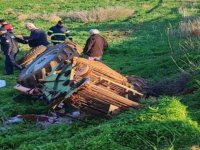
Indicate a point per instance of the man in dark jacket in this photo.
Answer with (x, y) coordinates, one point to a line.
(9, 47)
(59, 33)
(95, 45)
(37, 36)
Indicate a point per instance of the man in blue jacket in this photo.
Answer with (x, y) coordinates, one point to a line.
(59, 33)
(37, 37)
(9, 47)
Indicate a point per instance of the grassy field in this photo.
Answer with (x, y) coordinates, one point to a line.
(142, 44)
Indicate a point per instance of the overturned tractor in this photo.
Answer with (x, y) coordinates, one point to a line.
(58, 76)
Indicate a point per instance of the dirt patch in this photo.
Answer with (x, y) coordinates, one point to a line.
(170, 86)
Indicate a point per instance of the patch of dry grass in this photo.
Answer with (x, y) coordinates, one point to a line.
(55, 6)
(187, 27)
(95, 15)
(183, 11)
(22, 17)
(188, 8)
(100, 14)
(37, 8)
(52, 17)
(116, 36)
(113, 35)
(195, 147)
(146, 6)
(9, 11)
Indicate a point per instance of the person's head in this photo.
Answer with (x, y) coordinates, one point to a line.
(2, 31)
(94, 31)
(30, 26)
(60, 23)
(2, 21)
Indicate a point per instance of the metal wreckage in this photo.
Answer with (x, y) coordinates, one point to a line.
(61, 79)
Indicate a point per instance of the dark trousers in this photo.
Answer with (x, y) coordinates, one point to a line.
(10, 63)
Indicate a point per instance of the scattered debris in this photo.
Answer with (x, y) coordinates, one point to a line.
(40, 119)
(2, 83)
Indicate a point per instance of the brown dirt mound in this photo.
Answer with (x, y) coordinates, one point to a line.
(170, 86)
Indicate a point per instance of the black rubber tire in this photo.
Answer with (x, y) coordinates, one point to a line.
(31, 55)
(138, 83)
(39, 68)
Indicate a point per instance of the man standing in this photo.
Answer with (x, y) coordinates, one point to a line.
(6, 25)
(95, 45)
(37, 36)
(9, 47)
(59, 33)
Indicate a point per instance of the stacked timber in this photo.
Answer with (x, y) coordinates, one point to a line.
(107, 91)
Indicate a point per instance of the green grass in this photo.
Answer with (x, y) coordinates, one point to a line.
(165, 124)
(138, 45)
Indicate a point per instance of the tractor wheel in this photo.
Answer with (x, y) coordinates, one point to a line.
(36, 72)
(138, 83)
(31, 55)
